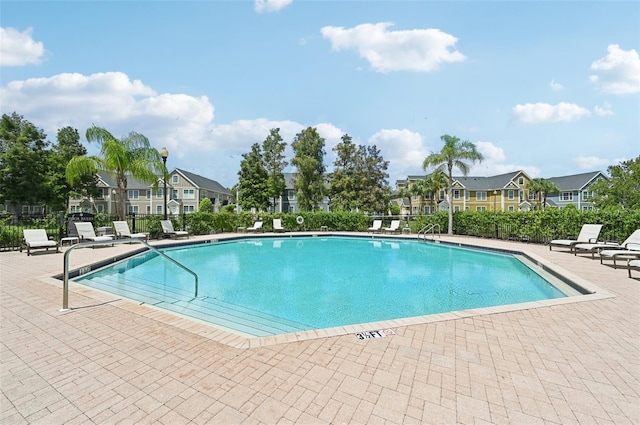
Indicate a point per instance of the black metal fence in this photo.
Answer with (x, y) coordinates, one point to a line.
(57, 225)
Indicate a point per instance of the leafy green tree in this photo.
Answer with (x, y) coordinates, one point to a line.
(344, 179)
(253, 178)
(623, 188)
(130, 156)
(453, 154)
(66, 147)
(308, 148)
(24, 162)
(274, 162)
(205, 205)
(542, 188)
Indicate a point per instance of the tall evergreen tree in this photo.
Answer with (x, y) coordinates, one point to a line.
(66, 147)
(344, 178)
(23, 162)
(274, 162)
(454, 153)
(253, 177)
(373, 186)
(308, 148)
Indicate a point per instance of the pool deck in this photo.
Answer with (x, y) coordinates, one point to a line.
(112, 361)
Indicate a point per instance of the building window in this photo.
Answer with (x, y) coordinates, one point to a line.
(188, 193)
(148, 209)
(511, 193)
(291, 194)
(159, 209)
(159, 192)
(467, 195)
(456, 208)
(520, 181)
(100, 208)
(174, 194)
(203, 194)
(175, 179)
(442, 194)
(132, 209)
(481, 208)
(481, 196)
(566, 196)
(188, 208)
(587, 194)
(587, 208)
(415, 210)
(75, 208)
(427, 210)
(511, 208)
(148, 193)
(532, 194)
(133, 194)
(467, 208)
(100, 193)
(456, 194)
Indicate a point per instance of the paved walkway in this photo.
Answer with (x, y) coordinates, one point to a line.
(109, 361)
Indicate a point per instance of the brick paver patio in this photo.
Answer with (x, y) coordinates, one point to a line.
(110, 361)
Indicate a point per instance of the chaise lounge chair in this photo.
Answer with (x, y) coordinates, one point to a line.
(277, 225)
(394, 227)
(376, 227)
(86, 232)
(167, 229)
(122, 231)
(593, 248)
(588, 234)
(633, 264)
(629, 250)
(257, 227)
(37, 238)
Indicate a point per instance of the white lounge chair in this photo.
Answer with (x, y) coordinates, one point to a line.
(588, 234)
(86, 232)
(277, 225)
(257, 227)
(167, 229)
(36, 239)
(593, 248)
(376, 227)
(628, 250)
(394, 227)
(122, 231)
(633, 264)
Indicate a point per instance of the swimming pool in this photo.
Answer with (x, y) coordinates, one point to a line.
(270, 286)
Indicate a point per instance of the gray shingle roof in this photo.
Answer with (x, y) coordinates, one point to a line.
(203, 182)
(576, 181)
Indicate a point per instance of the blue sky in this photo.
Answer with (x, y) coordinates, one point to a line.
(552, 88)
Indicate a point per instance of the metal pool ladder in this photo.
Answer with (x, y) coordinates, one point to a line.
(422, 234)
(65, 271)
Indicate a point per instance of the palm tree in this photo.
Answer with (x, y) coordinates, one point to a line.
(420, 189)
(131, 156)
(436, 182)
(542, 188)
(453, 154)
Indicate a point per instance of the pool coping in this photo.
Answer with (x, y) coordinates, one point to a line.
(239, 340)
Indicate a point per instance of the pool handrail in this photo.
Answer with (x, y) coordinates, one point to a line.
(427, 228)
(65, 271)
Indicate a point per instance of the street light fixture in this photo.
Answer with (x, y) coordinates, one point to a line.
(164, 153)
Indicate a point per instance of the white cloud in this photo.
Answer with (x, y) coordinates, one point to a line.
(591, 162)
(555, 86)
(534, 113)
(19, 48)
(494, 162)
(619, 71)
(603, 110)
(411, 50)
(268, 6)
(404, 149)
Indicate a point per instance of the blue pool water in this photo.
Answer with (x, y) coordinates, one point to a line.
(266, 286)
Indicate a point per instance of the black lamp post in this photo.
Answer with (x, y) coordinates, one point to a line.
(164, 153)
